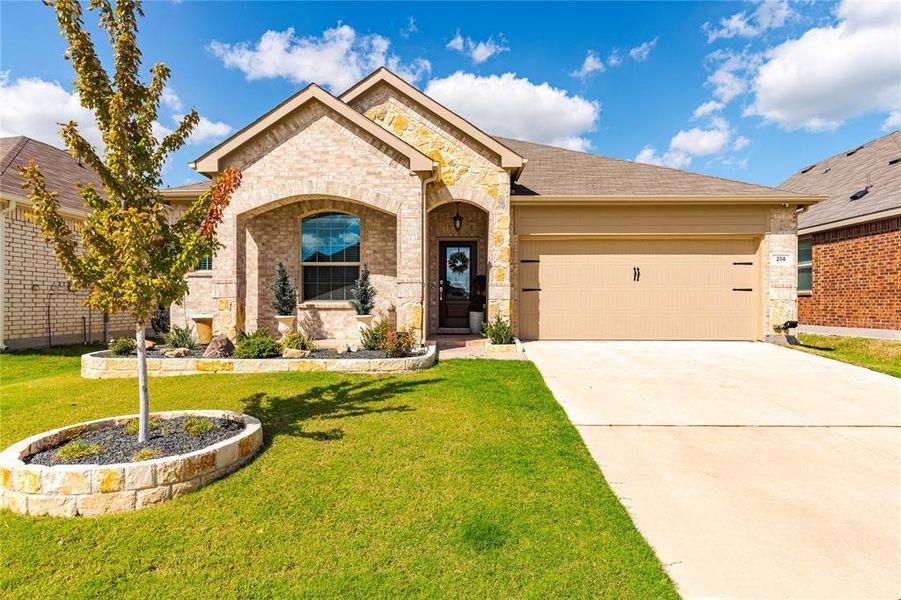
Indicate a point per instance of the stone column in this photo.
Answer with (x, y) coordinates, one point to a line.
(780, 280)
(500, 270)
(228, 315)
(409, 266)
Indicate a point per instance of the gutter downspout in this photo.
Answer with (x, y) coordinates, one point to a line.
(6, 211)
(436, 172)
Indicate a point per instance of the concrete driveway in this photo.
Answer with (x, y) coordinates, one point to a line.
(754, 471)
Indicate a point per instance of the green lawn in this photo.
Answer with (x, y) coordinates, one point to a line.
(463, 480)
(879, 355)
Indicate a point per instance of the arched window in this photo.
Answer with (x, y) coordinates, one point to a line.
(329, 255)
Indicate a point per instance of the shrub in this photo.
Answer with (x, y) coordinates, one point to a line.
(375, 337)
(180, 337)
(197, 426)
(363, 294)
(398, 344)
(132, 425)
(298, 341)
(78, 449)
(160, 321)
(284, 294)
(259, 344)
(146, 454)
(498, 330)
(242, 335)
(122, 346)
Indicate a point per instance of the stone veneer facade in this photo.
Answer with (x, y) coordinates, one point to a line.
(780, 282)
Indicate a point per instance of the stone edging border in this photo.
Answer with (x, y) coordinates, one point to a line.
(99, 367)
(92, 490)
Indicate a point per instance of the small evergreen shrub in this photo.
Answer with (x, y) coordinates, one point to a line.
(132, 425)
(398, 344)
(284, 294)
(122, 347)
(259, 344)
(180, 337)
(197, 426)
(146, 454)
(77, 449)
(298, 341)
(363, 294)
(498, 330)
(375, 337)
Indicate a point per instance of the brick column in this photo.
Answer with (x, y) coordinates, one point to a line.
(780, 280)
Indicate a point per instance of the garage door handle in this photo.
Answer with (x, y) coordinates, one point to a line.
(742, 290)
(531, 289)
(636, 273)
(743, 263)
(529, 260)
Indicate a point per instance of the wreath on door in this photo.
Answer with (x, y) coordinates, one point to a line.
(458, 262)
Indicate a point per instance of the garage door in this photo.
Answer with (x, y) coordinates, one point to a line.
(683, 289)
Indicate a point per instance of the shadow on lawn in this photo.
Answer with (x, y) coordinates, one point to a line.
(287, 415)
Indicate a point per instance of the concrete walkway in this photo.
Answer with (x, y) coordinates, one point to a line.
(754, 471)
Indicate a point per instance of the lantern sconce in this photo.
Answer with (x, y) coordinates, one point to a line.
(458, 219)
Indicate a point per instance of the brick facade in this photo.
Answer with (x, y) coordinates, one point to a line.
(33, 280)
(856, 277)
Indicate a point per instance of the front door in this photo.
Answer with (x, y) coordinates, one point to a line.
(455, 279)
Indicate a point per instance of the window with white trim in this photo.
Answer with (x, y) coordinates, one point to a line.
(805, 265)
(329, 256)
(205, 264)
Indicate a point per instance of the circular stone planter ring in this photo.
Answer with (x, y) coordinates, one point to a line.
(92, 490)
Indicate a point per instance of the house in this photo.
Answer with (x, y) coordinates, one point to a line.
(38, 307)
(849, 247)
(573, 245)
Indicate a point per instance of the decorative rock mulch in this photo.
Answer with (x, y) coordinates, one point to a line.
(97, 489)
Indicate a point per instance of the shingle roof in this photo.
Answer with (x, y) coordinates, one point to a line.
(554, 171)
(61, 171)
(197, 186)
(846, 173)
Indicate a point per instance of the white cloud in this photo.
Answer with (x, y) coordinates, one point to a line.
(34, 107)
(410, 29)
(740, 143)
(709, 107)
(336, 59)
(769, 14)
(614, 60)
(833, 73)
(893, 121)
(529, 111)
(591, 64)
(687, 144)
(479, 52)
(641, 53)
(170, 99)
(730, 77)
(206, 130)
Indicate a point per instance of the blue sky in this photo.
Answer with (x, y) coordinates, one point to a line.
(745, 90)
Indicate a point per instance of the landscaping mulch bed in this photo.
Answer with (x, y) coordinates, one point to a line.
(197, 352)
(118, 445)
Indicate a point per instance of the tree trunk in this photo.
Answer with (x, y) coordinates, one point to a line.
(142, 384)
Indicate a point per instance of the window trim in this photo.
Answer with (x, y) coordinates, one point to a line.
(805, 264)
(319, 302)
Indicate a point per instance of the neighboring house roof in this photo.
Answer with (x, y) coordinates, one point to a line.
(554, 171)
(509, 158)
(209, 162)
(62, 172)
(842, 175)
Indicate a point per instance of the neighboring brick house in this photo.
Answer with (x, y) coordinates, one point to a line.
(38, 306)
(572, 245)
(849, 246)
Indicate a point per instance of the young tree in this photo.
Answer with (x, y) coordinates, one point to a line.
(363, 294)
(284, 294)
(132, 257)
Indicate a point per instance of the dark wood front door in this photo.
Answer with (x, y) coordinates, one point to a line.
(455, 279)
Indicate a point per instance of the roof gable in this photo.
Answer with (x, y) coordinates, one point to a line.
(208, 164)
(509, 159)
